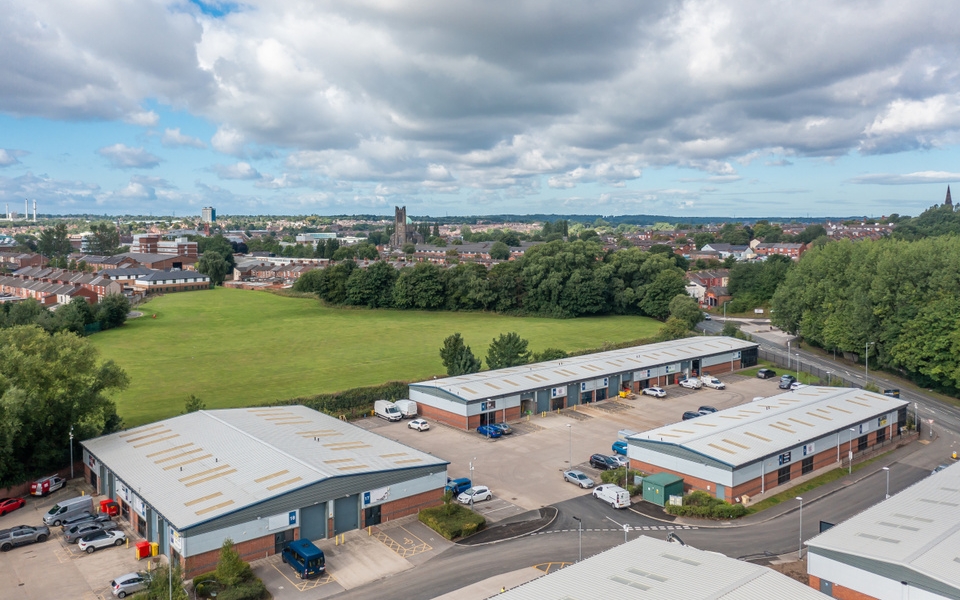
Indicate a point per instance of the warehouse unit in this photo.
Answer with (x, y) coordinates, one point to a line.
(754, 447)
(647, 568)
(262, 477)
(903, 547)
(468, 401)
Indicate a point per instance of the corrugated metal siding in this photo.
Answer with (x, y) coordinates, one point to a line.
(890, 571)
(319, 492)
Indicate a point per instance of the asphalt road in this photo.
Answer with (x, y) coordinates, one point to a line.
(602, 526)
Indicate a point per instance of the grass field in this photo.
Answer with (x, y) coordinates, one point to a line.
(235, 348)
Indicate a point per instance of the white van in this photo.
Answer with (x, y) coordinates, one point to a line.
(66, 509)
(387, 410)
(614, 495)
(408, 408)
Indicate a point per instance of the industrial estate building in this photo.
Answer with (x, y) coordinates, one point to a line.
(468, 401)
(753, 447)
(259, 476)
(647, 568)
(904, 547)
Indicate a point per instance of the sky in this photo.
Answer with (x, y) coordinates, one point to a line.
(716, 108)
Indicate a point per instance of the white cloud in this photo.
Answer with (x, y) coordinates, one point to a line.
(10, 156)
(908, 178)
(146, 118)
(240, 170)
(121, 156)
(172, 138)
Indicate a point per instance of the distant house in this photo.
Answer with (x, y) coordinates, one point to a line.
(763, 250)
(172, 281)
(725, 250)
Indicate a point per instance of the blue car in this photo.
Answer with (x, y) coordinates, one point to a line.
(620, 447)
(490, 431)
(457, 486)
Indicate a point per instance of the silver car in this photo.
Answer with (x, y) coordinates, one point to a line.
(130, 583)
(578, 477)
(79, 530)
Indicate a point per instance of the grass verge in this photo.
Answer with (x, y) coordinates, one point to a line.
(452, 520)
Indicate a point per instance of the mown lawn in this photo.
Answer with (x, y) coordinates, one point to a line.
(236, 348)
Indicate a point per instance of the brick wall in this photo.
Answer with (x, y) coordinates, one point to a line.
(410, 505)
(249, 550)
(442, 416)
(839, 591)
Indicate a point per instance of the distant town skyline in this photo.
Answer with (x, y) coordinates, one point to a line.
(726, 109)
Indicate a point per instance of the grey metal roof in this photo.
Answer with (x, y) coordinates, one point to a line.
(173, 276)
(205, 464)
(746, 433)
(917, 530)
(537, 376)
(647, 568)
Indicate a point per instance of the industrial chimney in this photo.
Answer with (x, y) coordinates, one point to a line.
(34, 210)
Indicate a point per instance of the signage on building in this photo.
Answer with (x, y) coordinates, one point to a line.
(92, 462)
(175, 540)
(376, 496)
(123, 492)
(673, 368)
(784, 458)
(882, 421)
(560, 392)
(282, 521)
(139, 507)
(808, 449)
(488, 405)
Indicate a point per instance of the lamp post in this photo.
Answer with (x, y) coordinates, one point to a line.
(850, 451)
(71, 452)
(887, 469)
(788, 354)
(829, 380)
(800, 546)
(725, 312)
(580, 536)
(866, 363)
(570, 436)
(798, 366)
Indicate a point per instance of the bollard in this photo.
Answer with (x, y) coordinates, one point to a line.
(369, 530)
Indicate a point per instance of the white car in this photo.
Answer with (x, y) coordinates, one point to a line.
(655, 391)
(691, 383)
(623, 461)
(419, 424)
(101, 539)
(796, 385)
(712, 382)
(475, 494)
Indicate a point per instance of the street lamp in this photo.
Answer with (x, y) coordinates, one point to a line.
(800, 547)
(580, 535)
(829, 380)
(798, 366)
(850, 450)
(788, 354)
(725, 312)
(570, 436)
(71, 452)
(866, 363)
(887, 469)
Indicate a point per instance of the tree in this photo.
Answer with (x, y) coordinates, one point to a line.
(366, 251)
(345, 253)
(667, 285)
(159, 588)
(75, 316)
(104, 239)
(673, 329)
(499, 251)
(112, 311)
(510, 238)
(54, 242)
(372, 287)
(49, 383)
(218, 244)
(457, 357)
(409, 249)
(214, 265)
(231, 569)
(420, 287)
(193, 404)
(550, 354)
(686, 309)
(507, 350)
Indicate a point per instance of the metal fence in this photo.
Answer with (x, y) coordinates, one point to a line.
(792, 363)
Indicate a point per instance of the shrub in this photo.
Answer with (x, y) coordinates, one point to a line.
(231, 569)
(452, 520)
(248, 590)
(615, 476)
(353, 403)
(704, 506)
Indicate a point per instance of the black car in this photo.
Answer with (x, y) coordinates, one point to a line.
(766, 374)
(603, 462)
(786, 381)
(690, 415)
(706, 410)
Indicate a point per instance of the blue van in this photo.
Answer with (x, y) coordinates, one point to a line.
(305, 558)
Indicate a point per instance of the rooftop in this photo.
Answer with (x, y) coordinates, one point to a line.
(647, 568)
(202, 465)
(514, 380)
(749, 432)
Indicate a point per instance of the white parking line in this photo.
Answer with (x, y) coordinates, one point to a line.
(620, 525)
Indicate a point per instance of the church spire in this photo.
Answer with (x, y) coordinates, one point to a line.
(949, 200)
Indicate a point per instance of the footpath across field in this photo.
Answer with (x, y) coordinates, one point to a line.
(234, 348)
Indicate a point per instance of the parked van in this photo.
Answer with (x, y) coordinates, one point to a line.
(614, 495)
(408, 408)
(387, 410)
(305, 558)
(42, 487)
(66, 509)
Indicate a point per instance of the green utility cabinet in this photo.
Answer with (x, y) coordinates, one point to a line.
(659, 487)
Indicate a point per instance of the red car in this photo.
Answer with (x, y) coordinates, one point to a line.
(10, 504)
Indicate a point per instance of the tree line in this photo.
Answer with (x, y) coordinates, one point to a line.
(77, 316)
(556, 279)
(894, 301)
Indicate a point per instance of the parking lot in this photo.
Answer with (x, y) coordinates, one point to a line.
(525, 468)
(53, 569)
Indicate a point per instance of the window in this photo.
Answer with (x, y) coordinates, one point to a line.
(861, 443)
(783, 475)
(806, 466)
(881, 435)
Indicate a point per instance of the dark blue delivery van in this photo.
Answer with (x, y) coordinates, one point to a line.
(305, 558)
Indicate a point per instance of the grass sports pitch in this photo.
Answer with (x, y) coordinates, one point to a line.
(234, 348)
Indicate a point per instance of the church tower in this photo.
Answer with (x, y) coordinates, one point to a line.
(399, 237)
(949, 200)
